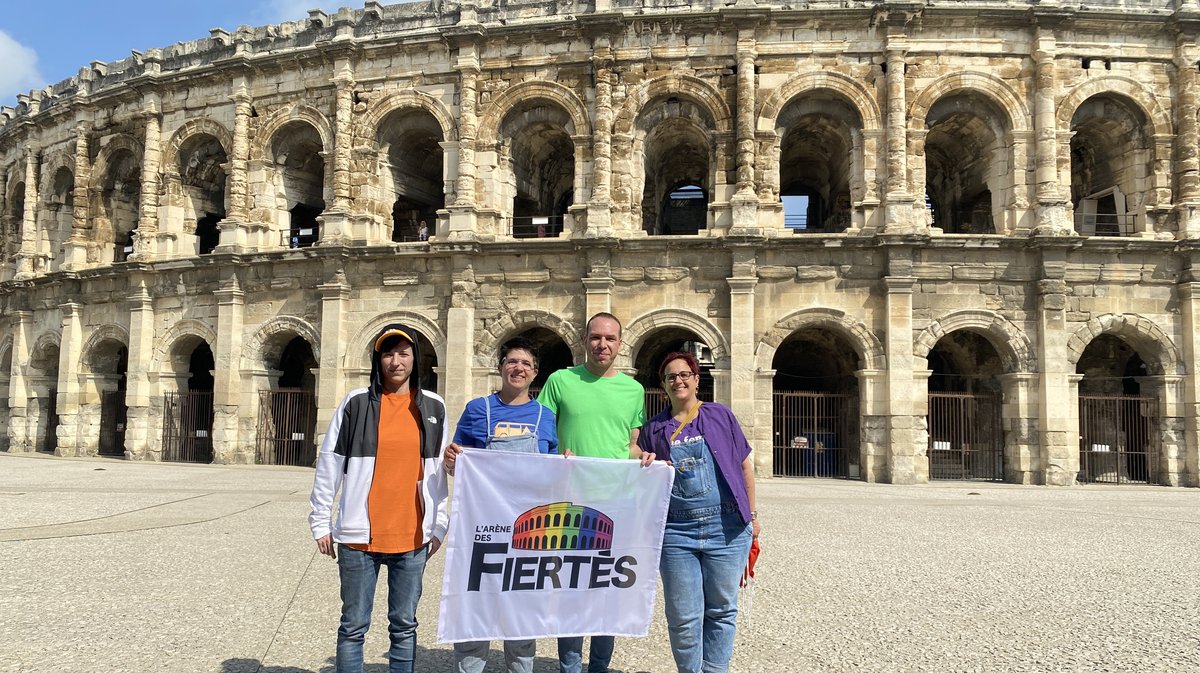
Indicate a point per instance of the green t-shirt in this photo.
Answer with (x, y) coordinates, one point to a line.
(595, 414)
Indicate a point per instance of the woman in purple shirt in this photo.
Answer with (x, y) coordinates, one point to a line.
(711, 519)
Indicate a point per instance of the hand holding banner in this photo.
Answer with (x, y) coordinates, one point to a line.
(543, 546)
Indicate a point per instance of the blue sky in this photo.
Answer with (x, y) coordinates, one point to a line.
(46, 41)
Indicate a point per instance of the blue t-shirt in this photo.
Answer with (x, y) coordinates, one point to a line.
(507, 420)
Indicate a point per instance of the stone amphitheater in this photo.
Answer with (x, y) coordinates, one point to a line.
(949, 239)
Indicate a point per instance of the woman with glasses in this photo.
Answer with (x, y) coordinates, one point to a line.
(711, 519)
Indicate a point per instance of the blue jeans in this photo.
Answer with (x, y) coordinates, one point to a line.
(570, 654)
(471, 657)
(359, 571)
(701, 565)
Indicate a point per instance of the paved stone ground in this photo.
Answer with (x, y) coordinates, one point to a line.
(111, 566)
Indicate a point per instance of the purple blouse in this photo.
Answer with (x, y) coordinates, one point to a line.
(725, 440)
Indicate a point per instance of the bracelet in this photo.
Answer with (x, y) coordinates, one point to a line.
(753, 514)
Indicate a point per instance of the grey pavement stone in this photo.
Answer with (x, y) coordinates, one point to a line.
(113, 566)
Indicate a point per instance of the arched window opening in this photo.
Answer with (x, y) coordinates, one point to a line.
(296, 151)
(965, 161)
(202, 162)
(56, 230)
(538, 164)
(411, 181)
(1110, 166)
(121, 204)
(677, 177)
(819, 158)
(966, 433)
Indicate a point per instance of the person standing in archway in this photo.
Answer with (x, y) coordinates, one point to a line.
(383, 451)
(599, 412)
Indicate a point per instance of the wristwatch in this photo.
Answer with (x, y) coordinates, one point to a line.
(753, 514)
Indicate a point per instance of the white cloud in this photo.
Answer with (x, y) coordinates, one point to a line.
(292, 10)
(20, 73)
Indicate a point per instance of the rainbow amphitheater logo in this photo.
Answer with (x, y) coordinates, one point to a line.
(573, 545)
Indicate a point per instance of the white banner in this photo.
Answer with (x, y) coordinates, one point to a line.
(541, 545)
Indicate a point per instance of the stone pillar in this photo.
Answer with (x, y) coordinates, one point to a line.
(1170, 463)
(745, 199)
(599, 215)
(1189, 311)
(598, 284)
(331, 377)
(762, 431)
(29, 218)
(460, 344)
(740, 394)
(335, 221)
(1058, 399)
(18, 384)
(228, 446)
(142, 442)
(462, 213)
(81, 228)
(872, 425)
(1052, 209)
(902, 436)
(1187, 140)
(919, 397)
(1019, 423)
(234, 235)
(898, 211)
(145, 245)
(69, 391)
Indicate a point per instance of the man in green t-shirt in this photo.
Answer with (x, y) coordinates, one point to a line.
(599, 412)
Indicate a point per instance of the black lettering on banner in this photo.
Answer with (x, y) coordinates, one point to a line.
(624, 569)
(479, 567)
(525, 568)
(548, 569)
(574, 562)
(600, 568)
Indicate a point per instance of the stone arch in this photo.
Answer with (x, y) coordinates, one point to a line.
(114, 146)
(854, 92)
(641, 327)
(5, 351)
(1014, 347)
(263, 347)
(1160, 120)
(109, 332)
(697, 90)
(556, 94)
(409, 100)
(989, 86)
(50, 167)
(509, 324)
(1150, 341)
(44, 341)
(868, 346)
(265, 134)
(358, 354)
(188, 130)
(180, 330)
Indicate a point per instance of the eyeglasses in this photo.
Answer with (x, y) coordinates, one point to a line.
(681, 376)
(508, 362)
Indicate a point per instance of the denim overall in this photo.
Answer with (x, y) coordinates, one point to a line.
(705, 547)
(519, 444)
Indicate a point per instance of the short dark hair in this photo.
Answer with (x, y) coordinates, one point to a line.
(587, 327)
(518, 343)
(688, 358)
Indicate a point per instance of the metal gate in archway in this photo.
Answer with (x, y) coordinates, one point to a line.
(113, 415)
(811, 434)
(656, 401)
(287, 421)
(965, 436)
(1117, 439)
(187, 427)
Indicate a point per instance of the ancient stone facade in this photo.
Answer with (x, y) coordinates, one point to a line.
(863, 205)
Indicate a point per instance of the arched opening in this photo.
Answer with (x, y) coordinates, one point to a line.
(819, 151)
(202, 162)
(538, 157)
(1110, 165)
(107, 365)
(42, 379)
(120, 199)
(816, 406)
(60, 207)
(1119, 420)
(655, 346)
(411, 174)
(188, 413)
(678, 182)
(14, 213)
(553, 354)
(966, 433)
(966, 163)
(300, 174)
(288, 411)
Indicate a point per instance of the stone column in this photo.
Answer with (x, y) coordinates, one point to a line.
(919, 397)
(331, 377)
(234, 235)
(18, 384)
(29, 217)
(873, 407)
(460, 342)
(598, 284)
(1019, 418)
(1169, 466)
(740, 394)
(142, 442)
(1189, 311)
(145, 245)
(898, 211)
(335, 221)
(762, 431)
(69, 390)
(81, 227)
(599, 215)
(1058, 401)
(1052, 209)
(462, 213)
(745, 199)
(1187, 140)
(902, 429)
(228, 446)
